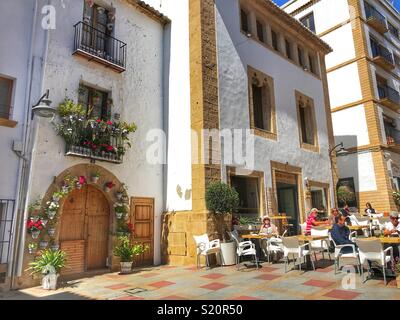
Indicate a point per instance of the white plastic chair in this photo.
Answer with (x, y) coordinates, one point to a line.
(320, 246)
(244, 248)
(348, 256)
(292, 247)
(272, 245)
(206, 247)
(371, 250)
(303, 227)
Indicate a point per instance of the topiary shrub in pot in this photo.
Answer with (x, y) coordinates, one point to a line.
(222, 200)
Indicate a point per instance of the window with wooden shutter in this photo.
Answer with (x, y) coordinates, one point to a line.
(96, 102)
(307, 122)
(6, 88)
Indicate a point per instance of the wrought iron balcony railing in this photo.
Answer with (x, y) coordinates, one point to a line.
(380, 52)
(93, 155)
(386, 92)
(373, 14)
(97, 45)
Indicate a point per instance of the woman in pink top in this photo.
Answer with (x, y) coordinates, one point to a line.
(312, 221)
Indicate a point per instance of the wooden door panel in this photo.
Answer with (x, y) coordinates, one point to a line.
(142, 217)
(73, 217)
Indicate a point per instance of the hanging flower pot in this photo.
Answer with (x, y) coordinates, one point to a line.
(111, 16)
(51, 232)
(44, 222)
(101, 10)
(51, 214)
(119, 196)
(32, 248)
(43, 244)
(55, 247)
(95, 178)
(108, 186)
(86, 18)
(119, 215)
(110, 26)
(35, 234)
(65, 189)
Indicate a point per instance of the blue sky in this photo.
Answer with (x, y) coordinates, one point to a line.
(280, 2)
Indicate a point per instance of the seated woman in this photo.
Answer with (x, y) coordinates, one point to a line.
(334, 216)
(268, 227)
(312, 221)
(369, 209)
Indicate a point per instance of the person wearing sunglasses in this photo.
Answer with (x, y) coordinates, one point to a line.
(392, 228)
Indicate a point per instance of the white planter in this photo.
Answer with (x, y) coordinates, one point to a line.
(94, 179)
(228, 252)
(51, 232)
(126, 267)
(49, 281)
(51, 214)
(35, 234)
(119, 215)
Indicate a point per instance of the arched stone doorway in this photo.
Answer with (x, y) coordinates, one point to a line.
(84, 229)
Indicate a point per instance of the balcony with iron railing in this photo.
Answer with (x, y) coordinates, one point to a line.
(376, 20)
(389, 97)
(99, 46)
(383, 57)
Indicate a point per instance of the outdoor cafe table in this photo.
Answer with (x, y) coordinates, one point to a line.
(386, 240)
(259, 237)
(308, 239)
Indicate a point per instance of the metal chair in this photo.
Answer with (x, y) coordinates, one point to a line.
(244, 248)
(205, 247)
(372, 251)
(292, 247)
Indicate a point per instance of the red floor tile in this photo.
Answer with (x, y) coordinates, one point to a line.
(173, 298)
(267, 277)
(342, 294)
(149, 275)
(129, 298)
(246, 298)
(214, 286)
(318, 283)
(118, 286)
(161, 284)
(213, 276)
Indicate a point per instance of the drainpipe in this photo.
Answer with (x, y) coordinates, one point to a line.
(29, 139)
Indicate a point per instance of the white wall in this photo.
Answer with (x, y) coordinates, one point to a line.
(235, 53)
(179, 134)
(137, 95)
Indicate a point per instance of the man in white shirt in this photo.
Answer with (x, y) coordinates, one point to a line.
(392, 228)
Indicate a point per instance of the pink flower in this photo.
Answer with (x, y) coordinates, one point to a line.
(109, 123)
(98, 120)
(82, 180)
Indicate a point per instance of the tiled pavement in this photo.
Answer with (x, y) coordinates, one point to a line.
(176, 283)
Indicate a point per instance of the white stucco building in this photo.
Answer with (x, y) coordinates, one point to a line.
(363, 77)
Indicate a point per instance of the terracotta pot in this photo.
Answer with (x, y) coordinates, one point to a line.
(126, 267)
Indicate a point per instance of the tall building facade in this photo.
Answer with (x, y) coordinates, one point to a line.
(363, 76)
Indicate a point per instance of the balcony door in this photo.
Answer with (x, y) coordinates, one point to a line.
(95, 32)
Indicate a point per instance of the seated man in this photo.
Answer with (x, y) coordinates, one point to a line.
(312, 221)
(392, 228)
(340, 233)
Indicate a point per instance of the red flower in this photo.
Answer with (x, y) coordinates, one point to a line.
(110, 184)
(82, 180)
(109, 123)
(98, 120)
(110, 148)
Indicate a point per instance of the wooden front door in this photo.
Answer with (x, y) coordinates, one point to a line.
(84, 230)
(142, 217)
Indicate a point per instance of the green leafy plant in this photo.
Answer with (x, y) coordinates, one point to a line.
(69, 108)
(126, 251)
(245, 220)
(56, 259)
(396, 198)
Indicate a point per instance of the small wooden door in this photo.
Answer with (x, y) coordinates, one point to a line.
(142, 217)
(84, 230)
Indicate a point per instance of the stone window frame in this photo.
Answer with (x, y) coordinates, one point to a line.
(302, 99)
(269, 81)
(232, 171)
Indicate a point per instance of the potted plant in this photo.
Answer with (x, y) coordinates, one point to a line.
(43, 244)
(124, 229)
(126, 252)
(100, 10)
(51, 231)
(34, 228)
(81, 182)
(57, 196)
(122, 192)
(222, 200)
(54, 246)
(345, 195)
(32, 247)
(49, 265)
(120, 210)
(108, 186)
(95, 177)
(52, 208)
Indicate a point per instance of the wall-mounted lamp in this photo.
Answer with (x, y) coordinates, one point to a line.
(43, 108)
(341, 152)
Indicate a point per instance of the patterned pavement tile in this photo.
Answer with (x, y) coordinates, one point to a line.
(342, 294)
(214, 286)
(161, 284)
(129, 298)
(213, 276)
(150, 275)
(173, 297)
(268, 277)
(319, 283)
(118, 286)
